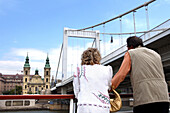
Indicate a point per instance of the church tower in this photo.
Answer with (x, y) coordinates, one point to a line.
(26, 77)
(47, 72)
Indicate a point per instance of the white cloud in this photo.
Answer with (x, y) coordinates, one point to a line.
(11, 67)
(34, 54)
(37, 58)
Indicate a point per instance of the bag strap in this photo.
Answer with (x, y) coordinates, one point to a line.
(116, 93)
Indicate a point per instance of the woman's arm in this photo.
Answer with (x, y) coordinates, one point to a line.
(76, 83)
(110, 77)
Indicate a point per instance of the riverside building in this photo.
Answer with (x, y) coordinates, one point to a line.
(9, 82)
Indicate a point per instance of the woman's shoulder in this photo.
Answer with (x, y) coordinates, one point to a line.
(98, 66)
(108, 67)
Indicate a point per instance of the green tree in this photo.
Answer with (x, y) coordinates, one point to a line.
(29, 92)
(16, 91)
(6, 92)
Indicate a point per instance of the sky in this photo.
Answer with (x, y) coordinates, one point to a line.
(36, 27)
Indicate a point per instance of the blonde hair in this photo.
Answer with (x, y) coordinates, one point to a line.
(90, 56)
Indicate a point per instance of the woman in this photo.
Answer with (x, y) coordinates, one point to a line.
(91, 84)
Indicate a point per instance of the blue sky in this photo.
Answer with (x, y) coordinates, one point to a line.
(36, 26)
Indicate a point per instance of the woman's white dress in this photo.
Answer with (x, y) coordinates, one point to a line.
(91, 84)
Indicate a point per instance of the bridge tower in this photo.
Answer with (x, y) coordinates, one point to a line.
(80, 34)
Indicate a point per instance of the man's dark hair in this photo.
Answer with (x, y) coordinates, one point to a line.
(134, 41)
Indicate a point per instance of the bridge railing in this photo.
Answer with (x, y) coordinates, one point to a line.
(145, 36)
(156, 30)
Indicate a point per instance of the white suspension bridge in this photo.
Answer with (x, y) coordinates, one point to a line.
(111, 45)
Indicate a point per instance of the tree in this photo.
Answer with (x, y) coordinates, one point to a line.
(16, 91)
(29, 92)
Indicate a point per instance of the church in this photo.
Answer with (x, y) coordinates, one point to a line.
(34, 84)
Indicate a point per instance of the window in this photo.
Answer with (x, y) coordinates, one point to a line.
(46, 86)
(36, 89)
(27, 103)
(46, 72)
(25, 79)
(41, 88)
(46, 79)
(8, 103)
(25, 86)
(17, 103)
(26, 72)
(30, 89)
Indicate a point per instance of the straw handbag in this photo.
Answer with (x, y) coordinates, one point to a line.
(115, 103)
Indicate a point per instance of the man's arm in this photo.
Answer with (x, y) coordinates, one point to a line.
(123, 71)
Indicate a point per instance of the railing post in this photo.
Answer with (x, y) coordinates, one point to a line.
(72, 106)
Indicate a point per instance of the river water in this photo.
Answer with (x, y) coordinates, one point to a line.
(35, 111)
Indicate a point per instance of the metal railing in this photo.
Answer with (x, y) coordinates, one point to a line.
(145, 36)
(20, 97)
(156, 30)
(72, 107)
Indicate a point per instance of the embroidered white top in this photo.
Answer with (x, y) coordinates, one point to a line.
(91, 85)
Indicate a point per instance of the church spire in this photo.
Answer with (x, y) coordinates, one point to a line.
(27, 61)
(36, 72)
(47, 65)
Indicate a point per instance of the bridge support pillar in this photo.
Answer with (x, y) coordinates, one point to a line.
(63, 90)
(72, 106)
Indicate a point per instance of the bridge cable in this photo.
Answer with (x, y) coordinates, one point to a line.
(93, 42)
(77, 51)
(145, 4)
(134, 22)
(133, 32)
(72, 60)
(104, 49)
(121, 40)
(59, 62)
(147, 21)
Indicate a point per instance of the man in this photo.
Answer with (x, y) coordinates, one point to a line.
(150, 90)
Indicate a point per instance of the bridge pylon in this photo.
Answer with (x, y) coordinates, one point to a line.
(79, 34)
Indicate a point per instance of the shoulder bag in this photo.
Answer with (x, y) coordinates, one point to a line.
(115, 103)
